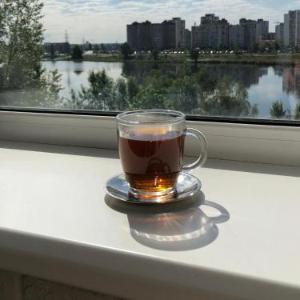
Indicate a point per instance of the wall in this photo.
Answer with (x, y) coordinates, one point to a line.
(21, 287)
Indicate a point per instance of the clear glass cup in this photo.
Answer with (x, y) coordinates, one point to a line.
(151, 147)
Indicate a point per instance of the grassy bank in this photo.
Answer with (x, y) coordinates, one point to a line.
(259, 59)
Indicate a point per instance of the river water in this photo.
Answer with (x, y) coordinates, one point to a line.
(264, 84)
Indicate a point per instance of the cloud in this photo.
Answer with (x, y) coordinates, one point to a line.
(105, 20)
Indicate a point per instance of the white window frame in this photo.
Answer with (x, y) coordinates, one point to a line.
(238, 142)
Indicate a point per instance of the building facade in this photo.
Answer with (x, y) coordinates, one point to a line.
(279, 34)
(236, 37)
(297, 29)
(146, 36)
(262, 30)
(211, 34)
(188, 39)
(289, 29)
(179, 33)
(217, 34)
(139, 36)
(214, 33)
(249, 29)
(157, 36)
(222, 34)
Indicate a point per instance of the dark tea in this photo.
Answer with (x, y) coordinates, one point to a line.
(152, 160)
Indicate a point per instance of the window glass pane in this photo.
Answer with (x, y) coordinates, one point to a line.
(234, 58)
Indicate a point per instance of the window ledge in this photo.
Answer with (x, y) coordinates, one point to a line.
(278, 145)
(56, 224)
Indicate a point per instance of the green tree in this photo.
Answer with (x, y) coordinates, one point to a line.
(184, 93)
(121, 94)
(21, 52)
(77, 53)
(47, 95)
(133, 88)
(126, 51)
(103, 48)
(96, 48)
(195, 55)
(297, 112)
(277, 111)
(181, 89)
(99, 95)
(52, 51)
(155, 54)
(21, 42)
(254, 111)
(228, 99)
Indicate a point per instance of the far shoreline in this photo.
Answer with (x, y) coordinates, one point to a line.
(253, 59)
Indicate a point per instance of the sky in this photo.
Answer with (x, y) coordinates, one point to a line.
(104, 21)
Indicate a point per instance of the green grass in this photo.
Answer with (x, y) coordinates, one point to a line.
(260, 59)
(269, 59)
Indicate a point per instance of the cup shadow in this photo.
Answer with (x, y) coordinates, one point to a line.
(177, 226)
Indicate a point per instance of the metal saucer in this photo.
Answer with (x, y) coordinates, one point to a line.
(187, 186)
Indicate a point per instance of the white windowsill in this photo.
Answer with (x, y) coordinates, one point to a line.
(278, 145)
(55, 224)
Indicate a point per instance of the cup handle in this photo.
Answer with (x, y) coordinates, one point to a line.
(203, 149)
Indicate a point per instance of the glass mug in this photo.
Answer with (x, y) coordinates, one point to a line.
(151, 146)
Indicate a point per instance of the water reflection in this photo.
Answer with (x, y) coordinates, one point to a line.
(291, 80)
(174, 227)
(246, 74)
(78, 72)
(232, 89)
(236, 90)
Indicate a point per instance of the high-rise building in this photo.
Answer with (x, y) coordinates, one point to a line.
(145, 36)
(222, 34)
(132, 35)
(139, 36)
(249, 28)
(279, 34)
(157, 36)
(169, 35)
(179, 33)
(195, 37)
(188, 39)
(292, 29)
(203, 36)
(297, 29)
(289, 29)
(236, 37)
(209, 19)
(212, 33)
(262, 30)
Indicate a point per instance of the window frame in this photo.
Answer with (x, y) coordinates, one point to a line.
(227, 139)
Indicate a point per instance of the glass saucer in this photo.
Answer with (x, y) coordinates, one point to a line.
(187, 186)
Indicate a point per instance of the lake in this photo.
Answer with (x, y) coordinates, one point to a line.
(237, 90)
(75, 74)
(264, 84)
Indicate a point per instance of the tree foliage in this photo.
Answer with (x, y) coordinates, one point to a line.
(297, 112)
(21, 42)
(184, 90)
(277, 110)
(21, 50)
(194, 55)
(155, 54)
(126, 51)
(77, 53)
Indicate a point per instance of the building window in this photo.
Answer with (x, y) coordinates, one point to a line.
(238, 61)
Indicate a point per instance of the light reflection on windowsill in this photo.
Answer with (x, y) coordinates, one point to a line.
(173, 227)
